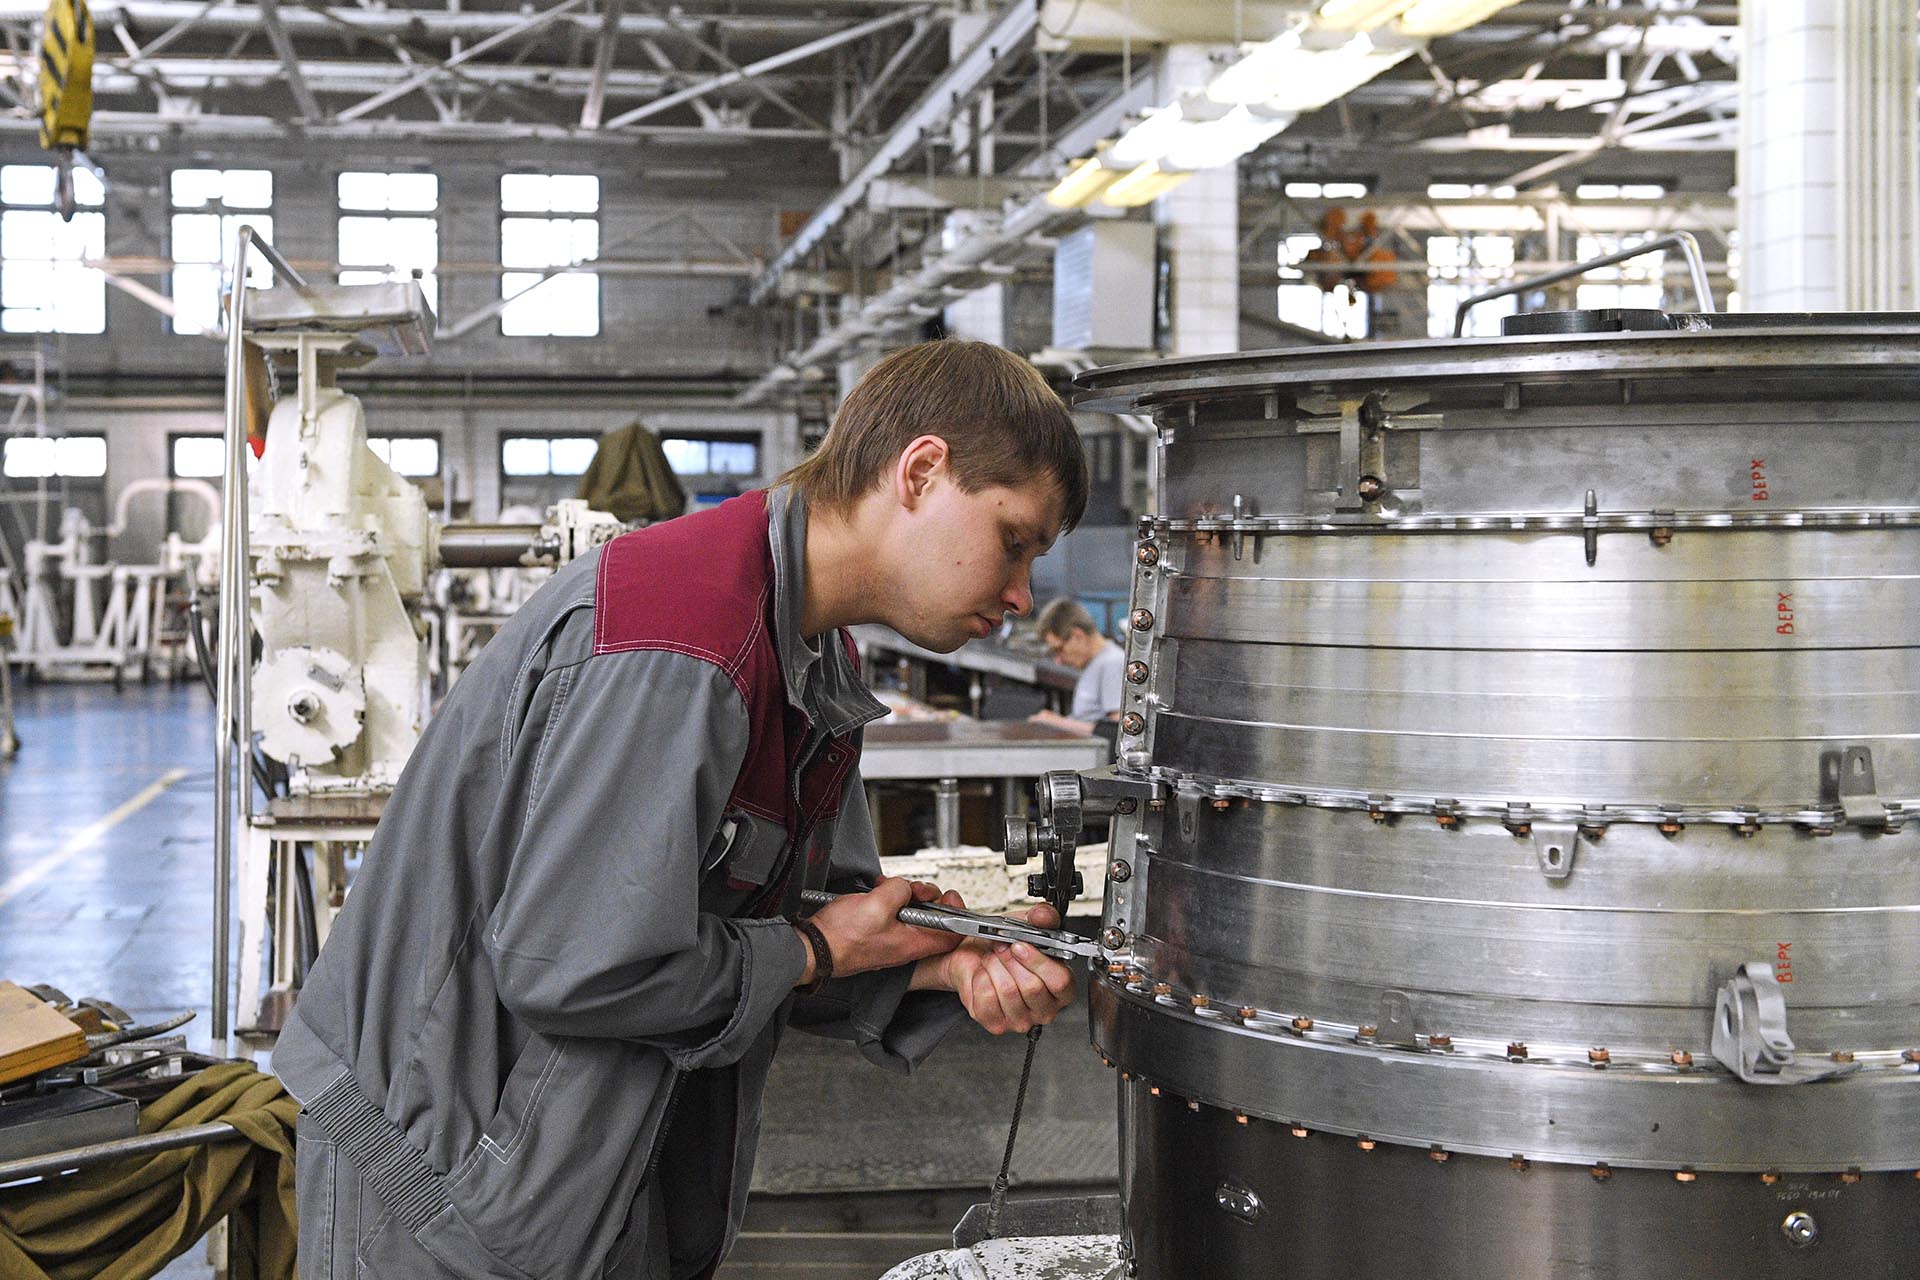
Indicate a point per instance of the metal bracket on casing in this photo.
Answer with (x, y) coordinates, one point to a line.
(1750, 1032)
(1854, 787)
(1396, 1021)
(1555, 844)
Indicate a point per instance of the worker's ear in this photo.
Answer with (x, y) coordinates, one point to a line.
(921, 467)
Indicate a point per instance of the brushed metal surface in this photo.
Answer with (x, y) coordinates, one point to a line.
(1332, 1211)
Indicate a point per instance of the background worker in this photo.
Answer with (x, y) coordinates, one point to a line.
(1071, 637)
(535, 1042)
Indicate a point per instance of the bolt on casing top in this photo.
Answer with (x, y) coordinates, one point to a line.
(1142, 619)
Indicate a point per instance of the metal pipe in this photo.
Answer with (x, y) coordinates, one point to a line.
(1681, 240)
(488, 546)
(98, 1153)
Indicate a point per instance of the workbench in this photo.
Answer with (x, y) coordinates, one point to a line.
(945, 751)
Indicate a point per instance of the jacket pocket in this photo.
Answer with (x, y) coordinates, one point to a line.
(553, 1182)
(752, 852)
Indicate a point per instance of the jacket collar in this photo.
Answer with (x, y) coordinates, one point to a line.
(822, 683)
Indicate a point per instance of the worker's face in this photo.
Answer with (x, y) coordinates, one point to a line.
(963, 561)
(1075, 649)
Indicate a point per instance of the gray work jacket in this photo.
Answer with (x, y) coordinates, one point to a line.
(545, 959)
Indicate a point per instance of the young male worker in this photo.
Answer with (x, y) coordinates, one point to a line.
(1069, 633)
(535, 1043)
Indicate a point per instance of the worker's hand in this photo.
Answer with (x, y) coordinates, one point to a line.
(863, 934)
(1004, 988)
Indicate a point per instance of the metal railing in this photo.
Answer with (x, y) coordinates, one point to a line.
(1681, 240)
(233, 675)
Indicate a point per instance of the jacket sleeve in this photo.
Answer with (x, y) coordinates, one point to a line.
(598, 931)
(892, 1026)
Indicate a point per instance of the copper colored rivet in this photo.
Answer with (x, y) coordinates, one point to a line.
(1850, 1176)
(1248, 1013)
(1142, 619)
(1594, 834)
(1366, 1144)
(1769, 1178)
(1661, 536)
(1440, 1042)
(1684, 1175)
(1437, 1156)
(1842, 1055)
(1135, 977)
(1223, 804)
(1115, 967)
(1193, 1106)
(1599, 1056)
(1447, 821)
(1378, 815)
(1367, 1032)
(1156, 806)
(1910, 1055)
(1681, 1058)
(1521, 828)
(1303, 1024)
(1516, 1051)
(1126, 1075)
(1133, 723)
(1148, 553)
(1200, 1001)
(1105, 1061)
(1600, 1173)
(1521, 1163)
(1136, 673)
(1916, 1173)
(1154, 1089)
(1163, 988)
(1301, 1131)
(1671, 828)
(1238, 1118)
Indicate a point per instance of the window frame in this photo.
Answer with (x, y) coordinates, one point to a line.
(503, 215)
(62, 477)
(95, 214)
(217, 208)
(437, 439)
(429, 280)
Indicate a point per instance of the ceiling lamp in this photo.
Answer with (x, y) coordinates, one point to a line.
(1359, 15)
(1083, 182)
(1144, 185)
(1444, 17)
(1209, 144)
(1150, 139)
(1288, 74)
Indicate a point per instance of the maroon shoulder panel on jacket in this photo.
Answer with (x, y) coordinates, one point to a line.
(699, 585)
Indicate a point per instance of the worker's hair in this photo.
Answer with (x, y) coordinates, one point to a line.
(1004, 426)
(1062, 617)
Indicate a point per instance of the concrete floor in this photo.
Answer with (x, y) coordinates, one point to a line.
(106, 888)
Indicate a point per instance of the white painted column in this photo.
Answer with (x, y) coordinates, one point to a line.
(1200, 227)
(1829, 164)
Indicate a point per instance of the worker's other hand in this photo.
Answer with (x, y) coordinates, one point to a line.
(863, 934)
(1004, 988)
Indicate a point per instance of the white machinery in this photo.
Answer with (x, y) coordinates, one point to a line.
(332, 579)
(9, 741)
(81, 615)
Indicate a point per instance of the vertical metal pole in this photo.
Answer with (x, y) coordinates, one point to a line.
(233, 544)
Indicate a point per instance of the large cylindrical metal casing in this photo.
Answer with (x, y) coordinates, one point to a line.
(1529, 734)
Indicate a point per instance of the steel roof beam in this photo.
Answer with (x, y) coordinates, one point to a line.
(526, 26)
(283, 48)
(1009, 35)
(763, 66)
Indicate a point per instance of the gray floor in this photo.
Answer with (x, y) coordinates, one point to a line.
(859, 1168)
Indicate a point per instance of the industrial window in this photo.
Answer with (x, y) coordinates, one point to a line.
(549, 222)
(1469, 191)
(712, 455)
(198, 457)
(1341, 311)
(49, 457)
(547, 455)
(210, 206)
(43, 286)
(1633, 284)
(408, 455)
(1326, 190)
(1459, 267)
(388, 230)
(1620, 191)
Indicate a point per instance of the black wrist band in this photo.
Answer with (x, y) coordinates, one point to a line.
(822, 956)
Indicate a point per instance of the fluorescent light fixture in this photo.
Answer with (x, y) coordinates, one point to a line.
(1145, 184)
(1444, 17)
(1285, 75)
(1148, 140)
(1209, 144)
(1359, 15)
(1083, 182)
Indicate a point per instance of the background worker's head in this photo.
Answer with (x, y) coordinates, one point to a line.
(960, 465)
(1069, 633)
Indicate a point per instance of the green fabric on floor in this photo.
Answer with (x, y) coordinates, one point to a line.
(629, 477)
(128, 1219)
